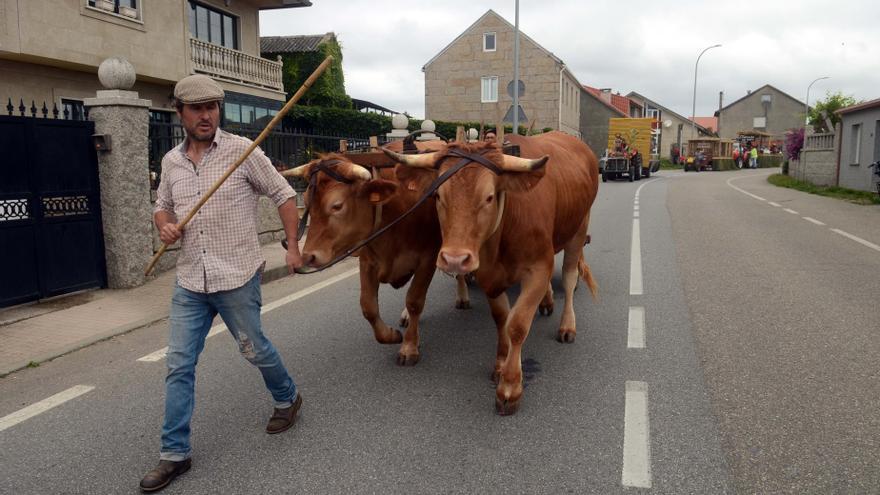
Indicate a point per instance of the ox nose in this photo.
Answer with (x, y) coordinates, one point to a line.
(457, 263)
(308, 259)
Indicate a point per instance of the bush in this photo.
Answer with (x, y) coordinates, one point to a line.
(723, 164)
(769, 161)
(794, 141)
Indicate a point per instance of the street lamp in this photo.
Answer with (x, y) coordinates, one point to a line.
(807, 103)
(694, 108)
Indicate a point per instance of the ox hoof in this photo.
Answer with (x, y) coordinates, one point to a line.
(407, 359)
(566, 336)
(393, 337)
(462, 305)
(506, 407)
(545, 310)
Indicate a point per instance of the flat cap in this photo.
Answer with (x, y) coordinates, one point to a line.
(197, 88)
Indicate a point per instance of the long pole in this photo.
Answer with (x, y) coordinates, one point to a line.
(694, 107)
(516, 71)
(302, 90)
(807, 102)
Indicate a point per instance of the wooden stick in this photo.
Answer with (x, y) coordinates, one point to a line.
(300, 92)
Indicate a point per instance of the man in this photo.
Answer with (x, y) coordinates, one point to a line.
(753, 157)
(219, 266)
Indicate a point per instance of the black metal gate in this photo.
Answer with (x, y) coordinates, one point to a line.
(51, 239)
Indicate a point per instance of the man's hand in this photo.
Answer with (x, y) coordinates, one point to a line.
(293, 258)
(169, 233)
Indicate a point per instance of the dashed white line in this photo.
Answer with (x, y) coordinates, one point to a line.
(790, 211)
(809, 219)
(636, 437)
(857, 239)
(160, 354)
(44, 405)
(771, 203)
(635, 264)
(635, 214)
(636, 328)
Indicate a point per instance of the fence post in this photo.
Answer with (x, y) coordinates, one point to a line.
(123, 173)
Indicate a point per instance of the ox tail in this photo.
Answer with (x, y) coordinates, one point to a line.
(587, 276)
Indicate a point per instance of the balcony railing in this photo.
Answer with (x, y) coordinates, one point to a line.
(223, 63)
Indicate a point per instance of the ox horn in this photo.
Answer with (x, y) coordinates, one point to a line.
(517, 164)
(423, 160)
(360, 172)
(300, 171)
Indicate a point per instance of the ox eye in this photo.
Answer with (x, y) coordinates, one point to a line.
(336, 206)
(490, 198)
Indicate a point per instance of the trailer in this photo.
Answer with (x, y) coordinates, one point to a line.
(628, 141)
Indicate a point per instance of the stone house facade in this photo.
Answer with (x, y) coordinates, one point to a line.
(468, 79)
(766, 109)
(164, 41)
(860, 145)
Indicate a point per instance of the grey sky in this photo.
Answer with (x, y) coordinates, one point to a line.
(643, 46)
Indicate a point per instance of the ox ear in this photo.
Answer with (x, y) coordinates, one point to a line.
(520, 181)
(378, 191)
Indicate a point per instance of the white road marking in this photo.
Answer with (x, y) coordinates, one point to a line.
(771, 203)
(44, 405)
(635, 214)
(759, 198)
(636, 437)
(160, 354)
(636, 329)
(635, 263)
(857, 239)
(636, 207)
(790, 211)
(813, 220)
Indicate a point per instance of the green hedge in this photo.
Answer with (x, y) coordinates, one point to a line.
(723, 164)
(769, 161)
(345, 122)
(329, 89)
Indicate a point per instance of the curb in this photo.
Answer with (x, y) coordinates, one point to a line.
(269, 275)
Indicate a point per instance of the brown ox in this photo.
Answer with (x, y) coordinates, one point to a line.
(545, 210)
(344, 214)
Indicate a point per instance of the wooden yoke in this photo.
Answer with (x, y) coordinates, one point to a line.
(281, 113)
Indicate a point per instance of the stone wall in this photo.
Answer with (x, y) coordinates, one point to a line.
(784, 113)
(818, 160)
(594, 117)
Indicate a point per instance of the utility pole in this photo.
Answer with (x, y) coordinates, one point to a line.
(516, 72)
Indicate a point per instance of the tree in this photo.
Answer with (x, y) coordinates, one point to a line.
(828, 106)
(329, 89)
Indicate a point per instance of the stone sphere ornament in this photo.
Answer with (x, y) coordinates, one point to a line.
(429, 126)
(399, 121)
(116, 73)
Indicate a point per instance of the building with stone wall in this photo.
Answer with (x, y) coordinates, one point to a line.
(860, 145)
(468, 79)
(595, 112)
(50, 51)
(675, 129)
(766, 109)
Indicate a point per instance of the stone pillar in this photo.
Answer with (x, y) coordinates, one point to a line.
(123, 171)
(399, 123)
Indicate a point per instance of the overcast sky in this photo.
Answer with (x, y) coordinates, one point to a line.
(645, 46)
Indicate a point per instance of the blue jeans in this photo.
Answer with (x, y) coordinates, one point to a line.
(191, 316)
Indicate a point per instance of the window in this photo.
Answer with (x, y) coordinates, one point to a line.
(72, 109)
(127, 8)
(232, 112)
(653, 113)
(212, 26)
(488, 42)
(489, 93)
(855, 144)
(759, 122)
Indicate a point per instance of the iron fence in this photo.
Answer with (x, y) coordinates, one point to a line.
(286, 148)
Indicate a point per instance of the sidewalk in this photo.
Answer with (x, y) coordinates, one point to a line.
(43, 331)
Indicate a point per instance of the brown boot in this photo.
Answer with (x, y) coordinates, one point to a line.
(163, 474)
(283, 419)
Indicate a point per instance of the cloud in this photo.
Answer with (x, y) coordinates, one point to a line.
(644, 46)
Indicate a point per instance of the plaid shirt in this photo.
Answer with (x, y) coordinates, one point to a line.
(219, 249)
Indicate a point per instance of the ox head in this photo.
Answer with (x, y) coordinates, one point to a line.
(340, 199)
(468, 203)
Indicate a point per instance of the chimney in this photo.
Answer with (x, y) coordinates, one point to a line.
(605, 95)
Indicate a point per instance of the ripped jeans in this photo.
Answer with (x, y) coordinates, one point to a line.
(191, 316)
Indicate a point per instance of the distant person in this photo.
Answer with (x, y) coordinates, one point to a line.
(753, 157)
(219, 266)
(737, 158)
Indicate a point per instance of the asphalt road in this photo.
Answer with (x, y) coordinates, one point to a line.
(755, 373)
